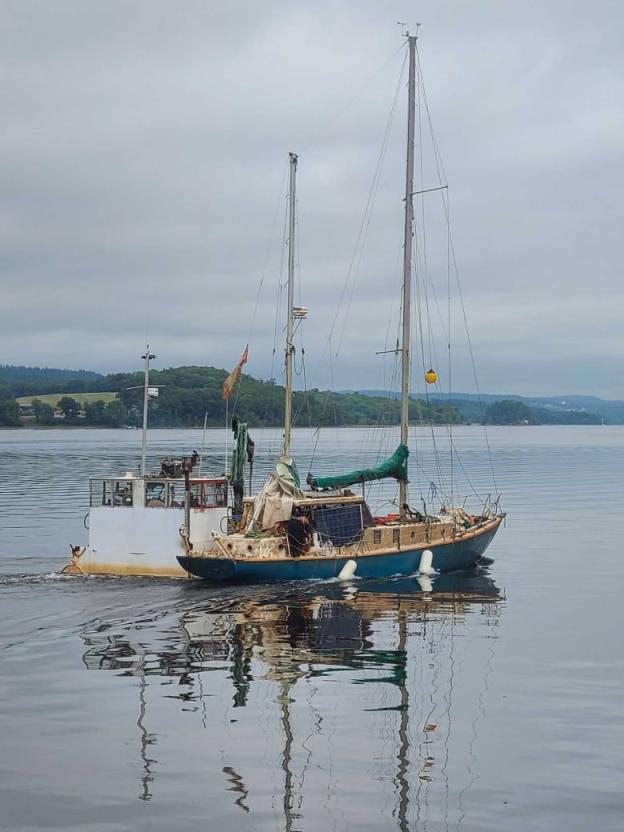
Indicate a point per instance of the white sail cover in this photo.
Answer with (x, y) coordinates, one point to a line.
(274, 502)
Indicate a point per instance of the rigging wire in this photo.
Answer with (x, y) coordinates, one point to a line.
(358, 252)
(280, 290)
(348, 288)
(429, 416)
(442, 177)
(365, 218)
(353, 98)
(450, 357)
(262, 277)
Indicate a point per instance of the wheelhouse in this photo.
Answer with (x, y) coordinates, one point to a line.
(157, 492)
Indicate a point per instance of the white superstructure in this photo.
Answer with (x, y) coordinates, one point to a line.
(136, 523)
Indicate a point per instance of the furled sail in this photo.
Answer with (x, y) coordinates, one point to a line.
(243, 448)
(274, 502)
(395, 466)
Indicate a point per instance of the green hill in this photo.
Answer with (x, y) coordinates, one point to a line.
(35, 381)
(53, 398)
(545, 410)
(187, 393)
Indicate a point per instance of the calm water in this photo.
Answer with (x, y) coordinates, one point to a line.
(493, 702)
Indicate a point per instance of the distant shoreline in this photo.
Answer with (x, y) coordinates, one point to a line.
(23, 428)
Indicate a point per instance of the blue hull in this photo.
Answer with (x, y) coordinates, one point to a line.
(447, 557)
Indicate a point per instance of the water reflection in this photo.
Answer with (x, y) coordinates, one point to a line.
(388, 649)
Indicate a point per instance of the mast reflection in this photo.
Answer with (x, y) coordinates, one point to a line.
(386, 631)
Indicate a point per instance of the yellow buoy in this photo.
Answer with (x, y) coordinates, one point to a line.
(431, 376)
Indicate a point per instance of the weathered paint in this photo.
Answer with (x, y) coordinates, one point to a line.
(136, 570)
(459, 553)
(137, 540)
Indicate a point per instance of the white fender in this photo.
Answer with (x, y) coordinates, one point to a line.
(347, 571)
(426, 559)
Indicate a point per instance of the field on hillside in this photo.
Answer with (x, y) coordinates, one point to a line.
(52, 398)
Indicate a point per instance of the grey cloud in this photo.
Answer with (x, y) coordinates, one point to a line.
(143, 147)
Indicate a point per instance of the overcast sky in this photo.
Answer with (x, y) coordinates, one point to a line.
(142, 158)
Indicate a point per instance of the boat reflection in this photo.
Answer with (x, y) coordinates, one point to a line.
(386, 631)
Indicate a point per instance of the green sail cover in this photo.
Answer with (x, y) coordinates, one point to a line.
(395, 466)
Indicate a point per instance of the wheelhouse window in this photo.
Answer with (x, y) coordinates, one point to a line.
(208, 494)
(164, 494)
(159, 493)
(111, 493)
(155, 494)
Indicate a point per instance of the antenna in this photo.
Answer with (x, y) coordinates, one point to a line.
(405, 33)
(146, 395)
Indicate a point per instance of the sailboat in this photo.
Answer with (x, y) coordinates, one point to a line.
(326, 532)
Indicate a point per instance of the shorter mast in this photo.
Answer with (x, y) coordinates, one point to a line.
(290, 348)
(147, 358)
(407, 264)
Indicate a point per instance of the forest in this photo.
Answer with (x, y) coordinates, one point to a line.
(187, 395)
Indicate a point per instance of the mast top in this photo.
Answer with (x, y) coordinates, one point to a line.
(406, 32)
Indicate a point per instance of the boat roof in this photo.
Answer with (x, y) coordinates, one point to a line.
(158, 478)
(320, 498)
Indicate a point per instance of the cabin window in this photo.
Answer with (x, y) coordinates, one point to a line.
(155, 494)
(208, 494)
(395, 535)
(176, 495)
(221, 494)
(377, 536)
(110, 493)
(100, 493)
(122, 493)
(198, 496)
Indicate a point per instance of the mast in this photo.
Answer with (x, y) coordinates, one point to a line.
(291, 285)
(407, 263)
(147, 358)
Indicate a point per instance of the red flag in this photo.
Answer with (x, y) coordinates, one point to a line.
(234, 376)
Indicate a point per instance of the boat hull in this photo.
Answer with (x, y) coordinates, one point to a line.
(447, 557)
(141, 541)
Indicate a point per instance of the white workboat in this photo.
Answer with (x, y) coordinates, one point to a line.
(135, 524)
(138, 522)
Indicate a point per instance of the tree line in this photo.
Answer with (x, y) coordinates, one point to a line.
(97, 413)
(187, 395)
(512, 412)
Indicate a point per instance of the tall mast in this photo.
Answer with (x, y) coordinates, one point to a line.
(147, 358)
(291, 285)
(407, 263)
